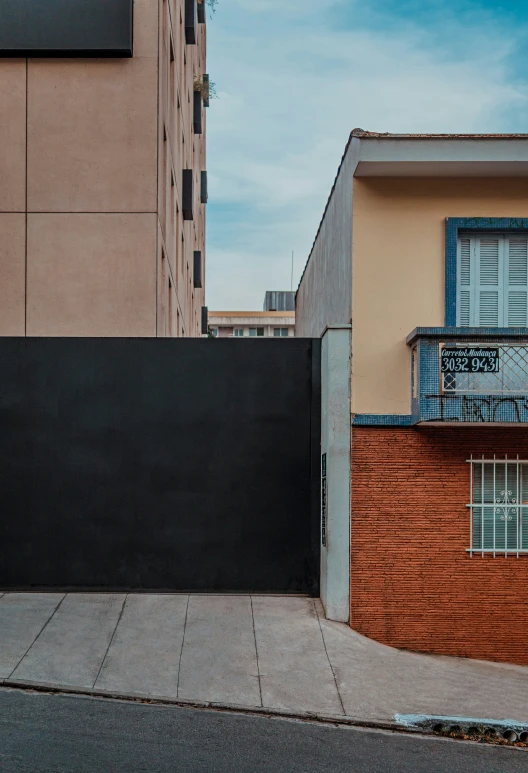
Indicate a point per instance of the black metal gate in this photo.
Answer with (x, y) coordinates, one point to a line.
(167, 464)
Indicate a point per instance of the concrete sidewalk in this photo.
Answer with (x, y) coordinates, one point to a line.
(254, 651)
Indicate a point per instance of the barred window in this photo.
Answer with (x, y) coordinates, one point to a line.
(499, 506)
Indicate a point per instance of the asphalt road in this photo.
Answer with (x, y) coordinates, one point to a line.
(65, 734)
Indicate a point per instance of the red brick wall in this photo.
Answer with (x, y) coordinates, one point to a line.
(413, 585)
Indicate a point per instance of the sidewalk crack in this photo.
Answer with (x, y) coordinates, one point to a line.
(37, 637)
(328, 657)
(111, 639)
(181, 650)
(256, 651)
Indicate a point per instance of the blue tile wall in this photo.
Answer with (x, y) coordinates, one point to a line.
(381, 420)
(431, 406)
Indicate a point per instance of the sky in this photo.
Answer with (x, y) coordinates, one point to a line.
(294, 77)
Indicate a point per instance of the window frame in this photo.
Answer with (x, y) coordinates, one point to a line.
(470, 225)
(502, 508)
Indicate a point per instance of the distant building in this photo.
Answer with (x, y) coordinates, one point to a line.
(276, 321)
(279, 300)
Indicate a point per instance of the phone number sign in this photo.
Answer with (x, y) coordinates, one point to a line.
(455, 359)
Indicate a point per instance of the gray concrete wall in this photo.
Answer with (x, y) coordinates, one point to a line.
(324, 296)
(335, 490)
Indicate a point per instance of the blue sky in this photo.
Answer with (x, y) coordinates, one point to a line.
(295, 76)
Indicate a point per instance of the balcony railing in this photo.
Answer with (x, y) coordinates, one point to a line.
(473, 375)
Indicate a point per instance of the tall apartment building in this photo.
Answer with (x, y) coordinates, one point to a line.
(103, 181)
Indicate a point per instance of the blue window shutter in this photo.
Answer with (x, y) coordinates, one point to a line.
(492, 280)
(517, 279)
(465, 274)
(489, 288)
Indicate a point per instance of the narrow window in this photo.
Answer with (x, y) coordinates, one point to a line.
(203, 188)
(197, 112)
(190, 21)
(187, 194)
(197, 272)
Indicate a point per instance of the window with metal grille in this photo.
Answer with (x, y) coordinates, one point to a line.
(499, 506)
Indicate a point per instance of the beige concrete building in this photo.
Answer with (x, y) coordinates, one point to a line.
(418, 284)
(379, 258)
(103, 185)
(252, 324)
(277, 320)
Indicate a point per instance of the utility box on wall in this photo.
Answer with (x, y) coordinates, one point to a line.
(66, 29)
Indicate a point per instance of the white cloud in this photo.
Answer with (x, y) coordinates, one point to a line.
(289, 96)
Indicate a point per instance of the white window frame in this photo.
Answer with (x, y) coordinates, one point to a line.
(506, 506)
(238, 332)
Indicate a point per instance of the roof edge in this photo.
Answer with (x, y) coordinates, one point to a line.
(362, 134)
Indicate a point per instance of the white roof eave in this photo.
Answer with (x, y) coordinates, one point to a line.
(444, 157)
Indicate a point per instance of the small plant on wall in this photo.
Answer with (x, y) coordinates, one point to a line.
(211, 4)
(205, 87)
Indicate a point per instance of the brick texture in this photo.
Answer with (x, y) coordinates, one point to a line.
(413, 585)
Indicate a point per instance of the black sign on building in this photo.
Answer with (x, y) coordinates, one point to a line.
(66, 29)
(476, 359)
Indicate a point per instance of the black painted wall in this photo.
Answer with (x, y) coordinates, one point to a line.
(166, 464)
(66, 28)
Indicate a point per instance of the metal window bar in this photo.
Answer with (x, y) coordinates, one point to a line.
(498, 493)
(512, 377)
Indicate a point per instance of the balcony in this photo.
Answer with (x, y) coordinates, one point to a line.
(469, 376)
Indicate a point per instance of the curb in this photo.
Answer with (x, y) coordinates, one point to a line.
(186, 703)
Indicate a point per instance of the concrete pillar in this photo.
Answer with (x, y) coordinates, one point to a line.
(335, 472)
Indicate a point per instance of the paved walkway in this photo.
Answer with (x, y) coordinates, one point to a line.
(252, 651)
